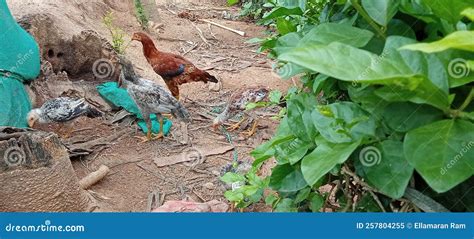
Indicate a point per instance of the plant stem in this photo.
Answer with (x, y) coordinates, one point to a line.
(467, 101)
(455, 113)
(366, 16)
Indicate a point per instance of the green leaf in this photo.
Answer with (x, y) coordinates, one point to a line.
(286, 178)
(286, 205)
(316, 202)
(327, 33)
(234, 196)
(381, 11)
(463, 40)
(271, 199)
(253, 105)
(325, 157)
(267, 150)
(284, 26)
(424, 202)
(442, 152)
(249, 190)
(232, 2)
(256, 40)
(302, 195)
(449, 9)
(469, 13)
(275, 96)
(420, 77)
(282, 11)
(457, 65)
(232, 178)
(418, 9)
(400, 28)
(289, 70)
(286, 42)
(343, 122)
(405, 116)
(386, 168)
(292, 151)
(367, 204)
(299, 116)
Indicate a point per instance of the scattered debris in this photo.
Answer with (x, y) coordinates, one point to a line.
(192, 154)
(188, 15)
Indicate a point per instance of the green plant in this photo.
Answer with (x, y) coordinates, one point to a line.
(140, 14)
(386, 105)
(246, 189)
(118, 42)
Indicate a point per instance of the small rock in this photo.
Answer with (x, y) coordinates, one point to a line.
(209, 185)
(215, 86)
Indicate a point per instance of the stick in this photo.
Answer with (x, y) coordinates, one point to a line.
(210, 30)
(200, 34)
(227, 28)
(190, 49)
(94, 177)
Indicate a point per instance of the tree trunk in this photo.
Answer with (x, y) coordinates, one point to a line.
(36, 173)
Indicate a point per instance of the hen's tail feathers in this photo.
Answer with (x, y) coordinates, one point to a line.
(210, 77)
(92, 112)
(181, 113)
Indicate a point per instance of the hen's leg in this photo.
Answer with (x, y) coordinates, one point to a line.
(236, 125)
(148, 126)
(253, 129)
(160, 134)
(173, 87)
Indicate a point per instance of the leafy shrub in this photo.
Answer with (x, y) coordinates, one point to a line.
(118, 42)
(140, 14)
(385, 115)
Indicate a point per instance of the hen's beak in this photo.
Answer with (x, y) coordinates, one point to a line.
(135, 38)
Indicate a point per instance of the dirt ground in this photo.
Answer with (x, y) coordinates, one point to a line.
(134, 176)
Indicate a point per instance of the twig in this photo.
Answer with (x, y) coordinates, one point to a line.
(224, 27)
(212, 33)
(175, 39)
(357, 180)
(377, 200)
(172, 12)
(190, 49)
(347, 193)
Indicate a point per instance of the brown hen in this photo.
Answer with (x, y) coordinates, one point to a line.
(174, 69)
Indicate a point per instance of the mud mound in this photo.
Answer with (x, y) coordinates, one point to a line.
(36, 174)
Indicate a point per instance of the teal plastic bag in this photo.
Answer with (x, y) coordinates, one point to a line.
(119, 97)
(19, 63)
